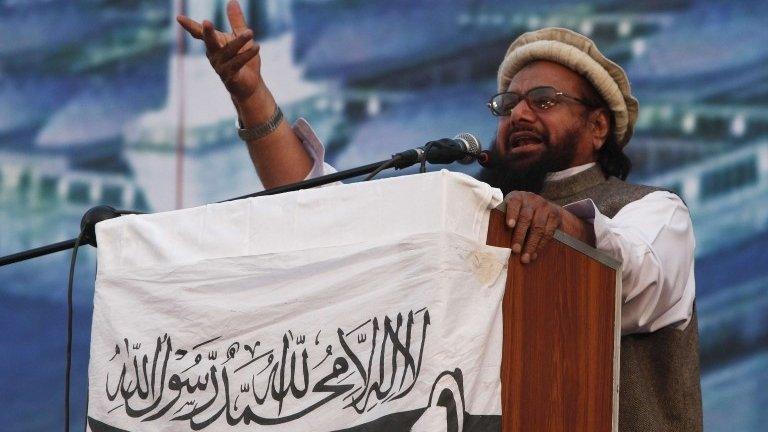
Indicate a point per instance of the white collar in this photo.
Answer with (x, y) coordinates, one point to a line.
(559, 175)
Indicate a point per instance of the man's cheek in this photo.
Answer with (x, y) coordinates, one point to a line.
(501, 138)
(501, 144)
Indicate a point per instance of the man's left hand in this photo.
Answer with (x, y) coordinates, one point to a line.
(534, 221)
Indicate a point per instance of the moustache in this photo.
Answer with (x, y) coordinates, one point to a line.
(521, 132)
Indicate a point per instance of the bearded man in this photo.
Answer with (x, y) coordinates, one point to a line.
(564, 112)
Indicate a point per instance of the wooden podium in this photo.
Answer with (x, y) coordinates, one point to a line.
(562, 319)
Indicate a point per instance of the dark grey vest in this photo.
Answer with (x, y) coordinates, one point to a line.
(659, 387)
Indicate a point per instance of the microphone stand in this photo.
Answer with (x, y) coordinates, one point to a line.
(322, 180)
(103, 212)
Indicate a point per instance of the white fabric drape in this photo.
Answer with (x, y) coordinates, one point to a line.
(316, 310)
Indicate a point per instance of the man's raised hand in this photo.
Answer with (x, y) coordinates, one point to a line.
(279, 157)
(234, 56)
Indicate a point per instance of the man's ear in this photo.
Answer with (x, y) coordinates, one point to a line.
(599, 126)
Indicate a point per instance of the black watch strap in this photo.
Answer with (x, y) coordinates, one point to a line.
(261, 130)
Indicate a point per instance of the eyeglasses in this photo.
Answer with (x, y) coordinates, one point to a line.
(539, 99)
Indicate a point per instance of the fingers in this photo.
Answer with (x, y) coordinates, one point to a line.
(553, 223)
(192, 27)
(233, 47)
(228, 60)
(236, 18)
(533, 221)
(231, 67)
(209, 37)
(537, 233)
(521, 227)
(514, 201)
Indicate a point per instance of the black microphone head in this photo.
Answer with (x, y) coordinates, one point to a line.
(486, 159)
(472, 146)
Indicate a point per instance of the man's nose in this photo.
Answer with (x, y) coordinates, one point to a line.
(522, 112)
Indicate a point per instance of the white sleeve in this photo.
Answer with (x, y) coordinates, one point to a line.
(653, 238)
(314, 147)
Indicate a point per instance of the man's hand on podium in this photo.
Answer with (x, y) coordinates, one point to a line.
(535, 220)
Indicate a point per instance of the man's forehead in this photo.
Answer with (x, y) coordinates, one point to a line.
(545, 73)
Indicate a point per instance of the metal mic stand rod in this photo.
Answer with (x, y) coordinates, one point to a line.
(318, 181)
(37, 252)
(100, 213)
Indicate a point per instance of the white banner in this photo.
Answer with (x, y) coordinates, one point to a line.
(399, 330)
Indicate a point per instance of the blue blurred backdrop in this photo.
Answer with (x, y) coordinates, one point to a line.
(105, 102)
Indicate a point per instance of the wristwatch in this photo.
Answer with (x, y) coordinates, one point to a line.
(261, 130)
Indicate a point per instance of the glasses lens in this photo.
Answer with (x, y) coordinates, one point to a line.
(542, 98)
(503, 104)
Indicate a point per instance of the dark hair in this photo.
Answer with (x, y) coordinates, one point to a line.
(610, 157)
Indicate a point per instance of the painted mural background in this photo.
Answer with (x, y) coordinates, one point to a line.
(103, 102)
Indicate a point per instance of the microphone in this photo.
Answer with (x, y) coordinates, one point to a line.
(464, 148)
(486, 159)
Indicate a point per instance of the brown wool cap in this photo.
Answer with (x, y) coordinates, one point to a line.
(578, 53)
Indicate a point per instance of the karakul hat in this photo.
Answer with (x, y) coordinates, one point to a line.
(578, 53)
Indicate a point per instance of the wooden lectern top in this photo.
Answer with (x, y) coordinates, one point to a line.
(562, 320)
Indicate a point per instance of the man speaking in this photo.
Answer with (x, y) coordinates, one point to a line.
(565, 113)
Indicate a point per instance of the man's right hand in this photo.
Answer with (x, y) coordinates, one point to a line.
(234, 56)
(279, 157)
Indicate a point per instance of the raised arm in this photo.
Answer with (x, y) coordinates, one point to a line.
(279, 157)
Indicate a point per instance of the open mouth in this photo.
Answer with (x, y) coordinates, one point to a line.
(521, 139)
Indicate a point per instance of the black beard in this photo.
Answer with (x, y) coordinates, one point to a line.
(507, 177)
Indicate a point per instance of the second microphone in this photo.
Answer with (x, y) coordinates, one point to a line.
(463, 148)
